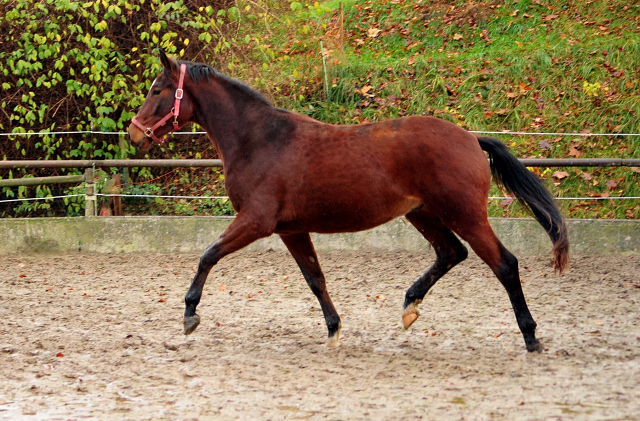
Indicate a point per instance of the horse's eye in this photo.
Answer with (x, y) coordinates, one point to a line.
(156, 92)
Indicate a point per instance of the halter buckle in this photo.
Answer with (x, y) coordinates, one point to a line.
(176, 126)
(179, 93)
(148, 132)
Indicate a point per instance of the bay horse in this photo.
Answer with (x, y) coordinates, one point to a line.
(288, 174)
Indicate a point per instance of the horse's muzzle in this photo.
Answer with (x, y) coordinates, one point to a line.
(137, 138)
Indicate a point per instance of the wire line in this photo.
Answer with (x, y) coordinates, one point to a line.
(203, 133)
(152, 196)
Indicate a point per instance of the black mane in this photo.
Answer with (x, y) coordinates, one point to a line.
(201, 72)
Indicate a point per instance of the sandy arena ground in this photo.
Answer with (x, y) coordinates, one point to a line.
(100, 337)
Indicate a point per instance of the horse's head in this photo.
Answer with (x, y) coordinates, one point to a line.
(168, 106)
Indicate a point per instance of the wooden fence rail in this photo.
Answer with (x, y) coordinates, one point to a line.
(90, 165)
(191, 163)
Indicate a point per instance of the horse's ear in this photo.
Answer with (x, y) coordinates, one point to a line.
(168, 64)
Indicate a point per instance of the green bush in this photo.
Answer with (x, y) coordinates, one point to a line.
(79, 66)
(86, 66)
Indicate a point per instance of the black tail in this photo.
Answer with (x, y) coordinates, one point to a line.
(527, 188)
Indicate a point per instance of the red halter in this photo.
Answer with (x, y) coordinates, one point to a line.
(175, 112)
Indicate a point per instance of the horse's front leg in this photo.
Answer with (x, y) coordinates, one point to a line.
(301, 248)
(243, 231)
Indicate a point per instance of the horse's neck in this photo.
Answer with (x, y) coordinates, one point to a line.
(228, 118)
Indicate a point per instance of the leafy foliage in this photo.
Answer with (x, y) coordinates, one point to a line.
(79, 66)
(70, 65)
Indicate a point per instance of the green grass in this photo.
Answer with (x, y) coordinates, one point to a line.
(517, 66)
(482, 65)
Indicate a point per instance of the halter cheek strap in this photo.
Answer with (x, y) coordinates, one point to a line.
(175, 112)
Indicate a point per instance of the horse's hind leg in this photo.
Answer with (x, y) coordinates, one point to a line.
(243, 231)
(449, 252)
(301, 248)
(484, 242)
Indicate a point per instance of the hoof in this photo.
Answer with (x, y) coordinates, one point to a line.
(191, 323)
(408, 319)
(410, 315)
(333, 341)
(535, 347)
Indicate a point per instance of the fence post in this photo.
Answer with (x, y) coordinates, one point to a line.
(90, 190)
(341, 27)
(123, 144)
(324, 67)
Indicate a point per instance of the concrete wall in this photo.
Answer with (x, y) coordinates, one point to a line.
(193, 234)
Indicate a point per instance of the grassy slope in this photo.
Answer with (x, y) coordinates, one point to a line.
(519, 66)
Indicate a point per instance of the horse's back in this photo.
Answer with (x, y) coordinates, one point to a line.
(348, 178)
(414, 152)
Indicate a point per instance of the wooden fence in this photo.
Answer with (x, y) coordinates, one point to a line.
(91, 165)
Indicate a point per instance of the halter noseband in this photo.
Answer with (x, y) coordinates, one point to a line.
(175, 112)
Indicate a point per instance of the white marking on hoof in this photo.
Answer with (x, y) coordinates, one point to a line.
(410, 315)
(333, 341)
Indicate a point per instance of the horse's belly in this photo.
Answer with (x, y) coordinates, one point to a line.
(348, 217)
